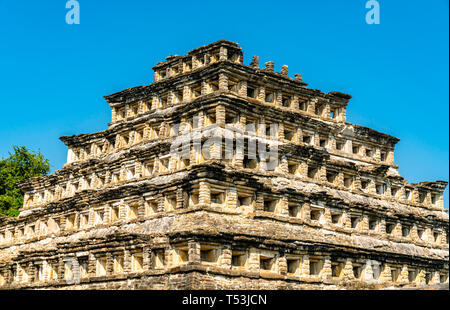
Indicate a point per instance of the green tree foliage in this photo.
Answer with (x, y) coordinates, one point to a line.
(20, 165)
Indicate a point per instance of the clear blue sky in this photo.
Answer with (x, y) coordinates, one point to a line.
(54, 75)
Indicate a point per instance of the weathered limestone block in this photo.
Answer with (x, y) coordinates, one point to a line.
(377, 155)
(255, 62)
(427, 200)
(225, 261)
(242, 90)
(173, 160)
(127, 261)
(306, 212)
(170, 99)
(238, 159)
(305, 266)
(253, 260)
(326, 110)
(340, 179)
(346, 220)
(128, 111)
(180, 197)
(303, 169)
(163, 129)
(195, 62)
(261, 94)
(280, 132)
(435, 277)
(223, 53)
(284, 206)
(186, 93)
(413, 233)
(386, 275)
(316, 140)
(92, 262)
(284, 165)
(109, 263)
(332, 143)
(91, 220)
(326, 218)
(390, 158)
(269, 66)
(364, 224)
(282, 265)
(397, 232)
(232, 198)
(242, 121)
(342, 116)
(142, 107)
(259, 205)
(32, 272)
(155, 103)
(204, 193)
(440, 202)
(421, 277)
(166, 257)
(372, 187)
(278, 98)
(193, 154)
(261, 127)
(75, 267)
(220, 116)
(147, 258)
(326, 272)
(295, 102)
(428, 235)
(382, 226)
(443, 238)
(201, 120)
(415, 195)
(357, 182)
(348, 270)
(284, 71)
(387, 192)
(369, 271)
(403, 277)
(113, 115)
(311, 105)
(62, 223)
(207, 58)
(161, 203)
(322, 174)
